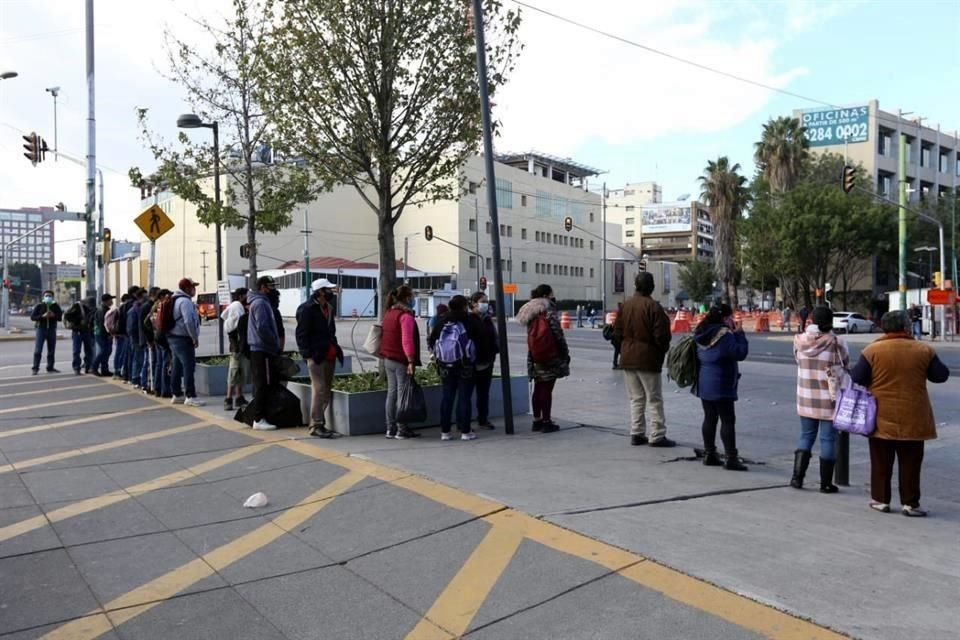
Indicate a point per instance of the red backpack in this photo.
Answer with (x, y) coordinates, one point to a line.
(540, 341)
(164, 319)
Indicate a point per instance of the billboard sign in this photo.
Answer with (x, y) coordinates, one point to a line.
(666, 219)
(825, 127)
(618, 277)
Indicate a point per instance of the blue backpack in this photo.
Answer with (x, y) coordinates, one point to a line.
(454, 346)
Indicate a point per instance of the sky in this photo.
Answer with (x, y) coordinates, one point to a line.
(636, 115)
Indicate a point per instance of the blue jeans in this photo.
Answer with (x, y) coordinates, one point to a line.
(149, 361)
(136, 362)
(184, 366)
(83, 341)
(917, 329)
(161, 378)
(48, 337)
(828, 437)
(457, 387)
(128, 360)
(101, 364)
(120, 355)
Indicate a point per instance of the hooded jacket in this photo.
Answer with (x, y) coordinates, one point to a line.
(718, 351)
(815, 352)
(316, 331)
(642, 329)
(186, 320)
(558, 368)
(262, 333)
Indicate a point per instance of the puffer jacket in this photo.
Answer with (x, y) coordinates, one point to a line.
(642, 329)
(718, 351)
(558, 367)
(815, 352)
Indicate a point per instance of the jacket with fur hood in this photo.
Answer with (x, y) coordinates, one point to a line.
(558, 368)
(815, 352)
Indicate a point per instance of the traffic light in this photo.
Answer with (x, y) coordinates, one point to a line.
(107, 235)
(107, 244)
(245, 251)
(848, 179)
(568, 224)
(483, 283)
(643, 265)
(428, 233)
(937, 279)
(36, 148)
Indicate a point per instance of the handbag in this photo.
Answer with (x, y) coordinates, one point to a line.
(856, 411)
(411, 405)
(837, 376)
(372, 344)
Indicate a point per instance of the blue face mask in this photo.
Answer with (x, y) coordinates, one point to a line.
(47, 300)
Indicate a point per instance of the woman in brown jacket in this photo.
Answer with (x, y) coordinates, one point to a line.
(896, 368)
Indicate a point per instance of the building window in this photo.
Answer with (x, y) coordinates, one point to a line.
(555, 241)
(591, 273)
(944, 163)
(473, 262)
(884, 143)
(523, 234)
(504, 194)
(509, 231)
(629, 233)
(629, 208)
(489, 264)
(523, 266)
(591, 245)
(473, 187)
(629, 220)
(472, 224)
(503, 230)
(509, 265)
(523, 200)
(591, 216)
(924, 156)
(884, 183)
(536, 268)
(488, 227)
(537, 236)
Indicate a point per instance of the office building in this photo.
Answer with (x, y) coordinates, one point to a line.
(670, 231)
(36, 248)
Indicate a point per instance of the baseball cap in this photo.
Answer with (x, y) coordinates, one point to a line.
(106, 297)
(186, 283)
(322, 283)
(266, 281)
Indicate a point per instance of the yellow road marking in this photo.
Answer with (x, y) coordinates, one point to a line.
(17, 394)
(456, 607)
(83, 420)
(99, 502)
(63, 402)
(115, 444)
(23, 381)
(89, 627)
(149, 595)
(448, 496)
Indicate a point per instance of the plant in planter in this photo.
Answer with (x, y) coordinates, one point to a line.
(211, 374)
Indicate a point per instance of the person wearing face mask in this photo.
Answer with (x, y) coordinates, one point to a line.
(400, 350)
(488, 346)
(548, 357)
(317, 343)
(184, 338)
(263, 338)
(47, 315)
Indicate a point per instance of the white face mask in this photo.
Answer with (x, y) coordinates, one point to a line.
(483, 307)
(47, 300)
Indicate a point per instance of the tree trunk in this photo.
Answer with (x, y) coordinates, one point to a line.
(388, 254)
(251, 222)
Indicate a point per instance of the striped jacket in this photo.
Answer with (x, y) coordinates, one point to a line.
(815, 352)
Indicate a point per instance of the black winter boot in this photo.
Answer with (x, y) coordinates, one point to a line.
(826, 476)
(733, 462)
(711, 458)
(801, 460)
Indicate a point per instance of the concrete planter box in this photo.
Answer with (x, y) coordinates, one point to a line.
(211, 379)
(356, 414)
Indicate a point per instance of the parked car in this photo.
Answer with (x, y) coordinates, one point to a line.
(207, 306)
(850, 322)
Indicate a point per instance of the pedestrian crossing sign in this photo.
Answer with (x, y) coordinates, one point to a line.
(154, 222)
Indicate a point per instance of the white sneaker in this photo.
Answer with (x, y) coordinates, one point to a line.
(263, 425)
(446, 436)
(194, 402)
(177, 400)
(468, 436)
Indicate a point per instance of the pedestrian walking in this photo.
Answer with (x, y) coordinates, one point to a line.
(579, 316)
(896, 369)
(102, 337)
(803, 314)
(79, 319)
(548, 357)
(721, 344)
(317, 342)
(235, 321)
(263, 338)
(184, 338)
(787, 317)
(47, 315)
(454, 345)
(643, 329)
(400, 350)
(916, 322)
(617, 342)
(488, 346)
(592, 315)
(816, 350)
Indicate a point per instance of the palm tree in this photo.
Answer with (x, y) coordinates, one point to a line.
(781, 152)
(725, 192)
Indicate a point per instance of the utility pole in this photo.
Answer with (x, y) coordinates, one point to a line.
(902, 261)
(494, 218)
(54, 91)
(406, 256)
(91, 153)
(203, 267)
(603, 258)
(102, 271)
(306, 257)
(476, 228)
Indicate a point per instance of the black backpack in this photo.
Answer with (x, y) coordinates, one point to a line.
(281, 408)
(122, 318)
(240, 334)
(73, 318)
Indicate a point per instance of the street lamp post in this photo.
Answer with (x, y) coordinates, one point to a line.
(193, 121)
(54, 91)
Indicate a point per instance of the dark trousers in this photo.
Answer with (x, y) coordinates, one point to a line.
(120, 356)
(542, 400)
(264, 373)
(137, 354)
(101, 364)
(616, 353)
(909, 455)
(483, 379)
(457, 388)
(48, 337)
(82, 341)
(724, 412)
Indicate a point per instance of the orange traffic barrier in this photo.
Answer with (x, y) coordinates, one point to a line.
(681, 323)
(738, 317)
(763, 324)
(611, 318)
(565, 320)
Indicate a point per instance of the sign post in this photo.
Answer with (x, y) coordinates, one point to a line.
(154, 222)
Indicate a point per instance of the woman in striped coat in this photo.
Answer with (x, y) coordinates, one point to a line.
(816, 350)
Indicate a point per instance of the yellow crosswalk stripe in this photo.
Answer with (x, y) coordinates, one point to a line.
(22, 381)
(69, 423)
(149, 595)
(60, 403)
(17, 394)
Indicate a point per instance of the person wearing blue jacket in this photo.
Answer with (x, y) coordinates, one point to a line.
(721, 344)
(263, 338)
(136, 348)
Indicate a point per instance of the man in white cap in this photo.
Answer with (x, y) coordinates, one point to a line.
(317, 342)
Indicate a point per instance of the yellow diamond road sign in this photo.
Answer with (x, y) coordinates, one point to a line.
(154, 222)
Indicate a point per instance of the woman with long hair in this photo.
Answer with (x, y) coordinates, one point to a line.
(548, 358)
(454, 342)
(400, 350)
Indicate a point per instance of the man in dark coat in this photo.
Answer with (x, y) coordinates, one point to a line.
(317, 343)
(47, 315)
